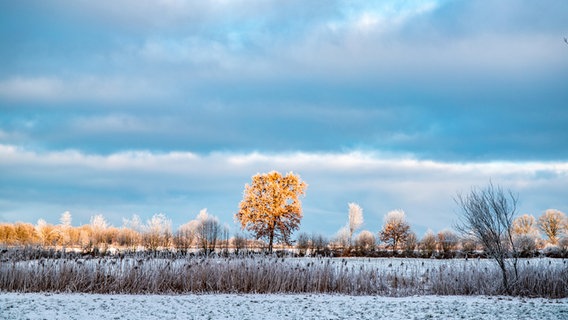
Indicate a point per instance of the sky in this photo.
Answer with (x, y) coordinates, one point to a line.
(143, 107)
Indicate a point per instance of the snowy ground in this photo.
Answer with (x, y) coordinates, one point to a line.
(223, 306)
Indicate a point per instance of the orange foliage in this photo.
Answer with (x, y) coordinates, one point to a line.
(271, 207)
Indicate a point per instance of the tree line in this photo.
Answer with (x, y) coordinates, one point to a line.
(271, 211)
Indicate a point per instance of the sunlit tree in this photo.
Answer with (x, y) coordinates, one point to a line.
(99, 226)
(395, 229)
(552, 223)
(271, 207)
(65, 228)
(428, 243)
(525, 225)
(157, 232)
(525, 234)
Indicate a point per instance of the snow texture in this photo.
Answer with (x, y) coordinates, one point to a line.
(16, 306)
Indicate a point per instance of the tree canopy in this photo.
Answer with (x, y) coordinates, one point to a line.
(271, 207)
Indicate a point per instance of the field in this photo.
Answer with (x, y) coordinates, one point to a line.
(544, 277)
(270, 306)
(270, 287)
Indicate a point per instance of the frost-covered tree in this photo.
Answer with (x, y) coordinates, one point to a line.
(271, 207)
(65, 228)
(98, 228)
(185, 235)
(552, 223)
(487, 214)
(395, 229)
(355, 219)
(365, 241)
(130, 233)
(47, 233)
(525, 234)
(157, 232)
(525, 225)
(447, 241)
(342, 238)
(208, 232)
(428, 243)
(410, 244)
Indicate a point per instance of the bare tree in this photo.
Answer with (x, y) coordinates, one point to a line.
(318, 243)
(552, 223)
(208, 233)
(487, 214)
(410, 244)
(447, 241)
(395, 230)
(239, 242)
(303, 243)
(158, 231)
(428, 243)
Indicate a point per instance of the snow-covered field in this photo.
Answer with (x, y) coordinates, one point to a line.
(225, 306)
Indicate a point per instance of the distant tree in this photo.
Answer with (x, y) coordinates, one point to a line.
(239, 243)
(447, 241)
(487, 214)
(225, 237)
(468, 244)
(525, 225)
(428, 243)
(157, 232)
(130, 233)
(99, 226)
(552, 223)
(318, 243)
(7, 234)
(65, 228)
(208, 231)
(25, 233)
(395, 229)
(342, 238)
(525, 234)
(185, 236)
(410, 244)
(47, 233)
(366, 241)
(303, 243)
(271, 207)
(355, 219)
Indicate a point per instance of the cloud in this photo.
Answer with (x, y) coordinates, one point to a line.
(172, 105)
(84, 88)
(180, 183)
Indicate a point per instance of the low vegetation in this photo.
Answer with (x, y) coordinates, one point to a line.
(140, 273)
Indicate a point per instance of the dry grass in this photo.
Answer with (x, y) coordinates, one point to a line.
(271, 274)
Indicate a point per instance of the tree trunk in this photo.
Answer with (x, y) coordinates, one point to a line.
(505, 278)
(270, 240)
